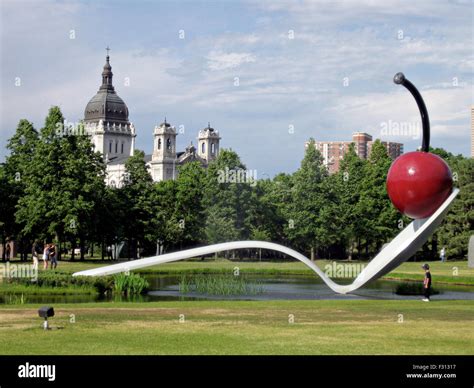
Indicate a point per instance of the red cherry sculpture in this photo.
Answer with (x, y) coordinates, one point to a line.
(418, 182)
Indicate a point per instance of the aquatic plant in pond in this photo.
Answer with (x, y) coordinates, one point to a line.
(131, 284)
(15, 299)
(223, 285)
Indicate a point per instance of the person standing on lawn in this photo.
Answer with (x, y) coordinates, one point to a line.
(53, 255)
(34, 252)
(442, 255)
(426, 283)
(45, 256)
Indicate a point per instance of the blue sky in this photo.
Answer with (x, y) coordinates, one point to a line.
(325, 68)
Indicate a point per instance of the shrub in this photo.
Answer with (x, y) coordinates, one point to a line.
(62, 280)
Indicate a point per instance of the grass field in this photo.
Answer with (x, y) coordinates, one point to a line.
(320, 327)
(243, 327)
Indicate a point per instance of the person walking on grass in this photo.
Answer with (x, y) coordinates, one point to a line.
(426, 283)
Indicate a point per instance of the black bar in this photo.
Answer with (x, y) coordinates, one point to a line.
(321, 371)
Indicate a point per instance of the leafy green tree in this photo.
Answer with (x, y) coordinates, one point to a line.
(259, 234)
(279, 197)
(7, 209)
(458, 226)
(219, 228)
(227, 191)
(381, 218)
(344, 188)
(309, 231)
(109, 221)
(188, 204)
(137, 197)
(64, 183)
(262, 212)
(167, 226)
(21, 146)
(83, 181)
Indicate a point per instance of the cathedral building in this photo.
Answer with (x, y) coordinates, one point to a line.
(106, 120)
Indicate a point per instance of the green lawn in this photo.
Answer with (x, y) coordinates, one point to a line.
(258, 327)
(456, 272)
(231, 327)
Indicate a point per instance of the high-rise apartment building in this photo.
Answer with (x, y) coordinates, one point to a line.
(333, 151)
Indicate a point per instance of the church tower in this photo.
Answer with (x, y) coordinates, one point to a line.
(208, 143)
(163, 160)
(106, 120)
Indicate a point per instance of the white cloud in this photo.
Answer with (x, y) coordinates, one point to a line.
(282, 81)
(327, 11)
(369, 111)
(222, 61)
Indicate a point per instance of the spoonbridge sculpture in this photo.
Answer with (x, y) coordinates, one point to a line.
(419, 184)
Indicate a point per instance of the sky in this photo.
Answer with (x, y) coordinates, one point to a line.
(268, 75)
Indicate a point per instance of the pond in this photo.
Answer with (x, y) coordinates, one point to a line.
(301, 288)
(273, 287)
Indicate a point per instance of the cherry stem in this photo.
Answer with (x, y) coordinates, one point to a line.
(400, 79)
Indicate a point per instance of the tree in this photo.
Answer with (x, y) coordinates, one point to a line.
(458, 226)
(228, 191)
(109, 221)
(381, 217)
(219, 228)
(264, 218)
(7, 209)
(189, 208)
(137, 197)
(280, 198)
(167, 231)
(343, 216)
(64, 181)
(309, 232)
(22, 146)
(259, 234)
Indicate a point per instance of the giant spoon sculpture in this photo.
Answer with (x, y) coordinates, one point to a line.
(419, 184)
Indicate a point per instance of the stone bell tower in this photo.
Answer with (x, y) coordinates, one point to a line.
(163, 160)
(208, 143)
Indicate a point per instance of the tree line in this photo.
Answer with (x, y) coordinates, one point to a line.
(52, 188)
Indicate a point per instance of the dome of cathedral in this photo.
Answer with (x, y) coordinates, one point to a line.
(106, 105)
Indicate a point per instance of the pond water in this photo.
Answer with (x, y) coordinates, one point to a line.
(302, 288)
(275, 287)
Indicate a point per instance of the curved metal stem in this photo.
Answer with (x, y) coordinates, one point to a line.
(400, 79)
